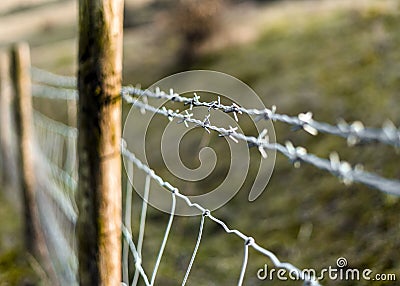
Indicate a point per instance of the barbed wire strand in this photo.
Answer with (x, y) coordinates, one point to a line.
(341, 169)
(251, 242)
(196, 248)
(354, 133)
(50, 92)
(45, 77)
(142, 224)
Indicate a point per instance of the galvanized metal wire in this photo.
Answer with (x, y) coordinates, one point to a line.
(249, 241)
(354, 132)
(48, 78)
(60, 164)
(334, 165)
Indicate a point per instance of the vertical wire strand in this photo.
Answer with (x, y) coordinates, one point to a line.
(164, 242)
(196, 248)
(132, 247)
(244, 264)
(127, 222)
(142, 225)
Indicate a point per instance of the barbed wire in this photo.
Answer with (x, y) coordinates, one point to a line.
(248, 241)
(61, 87)
(354, 133)
(334, 165)
(48, 78)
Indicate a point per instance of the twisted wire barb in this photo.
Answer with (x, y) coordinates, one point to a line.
(249, 241)
(354, 133)
(342, 169)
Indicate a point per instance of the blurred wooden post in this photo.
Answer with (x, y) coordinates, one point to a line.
(7, 144)
(20, 73)
(99, 125)
(23, 121)
(24, 136)
(5, 99)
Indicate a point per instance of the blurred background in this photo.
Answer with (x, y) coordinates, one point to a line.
(338, 59)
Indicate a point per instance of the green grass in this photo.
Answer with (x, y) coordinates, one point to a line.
(345, 65)
(15, 268)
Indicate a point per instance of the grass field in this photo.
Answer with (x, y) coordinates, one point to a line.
(340, 65)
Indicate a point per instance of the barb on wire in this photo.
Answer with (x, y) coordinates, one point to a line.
(295, 154)
(249, 241)
(354, 133)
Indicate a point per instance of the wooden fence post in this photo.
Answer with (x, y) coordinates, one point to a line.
(23, 125)
(7, 138)
(22, 88)
(99, 125)
(5, 100)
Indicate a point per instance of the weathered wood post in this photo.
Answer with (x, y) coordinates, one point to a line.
(22, 89)
(99, 125)
(7, 139)
(23, 125)
(5, 102)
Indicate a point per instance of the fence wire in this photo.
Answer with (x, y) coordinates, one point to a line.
(44, 77)
(354, 132)
(248, 241)
(334, 165)
(56, 176)
(57, 157)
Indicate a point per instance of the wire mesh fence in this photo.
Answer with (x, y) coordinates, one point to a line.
(56, 160)
(56, 170)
